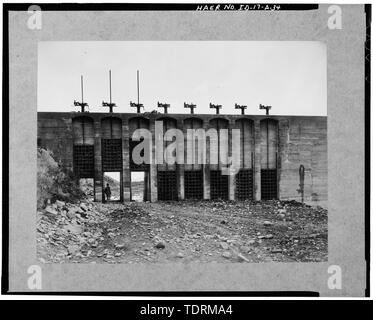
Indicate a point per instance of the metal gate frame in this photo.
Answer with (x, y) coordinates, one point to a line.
(193, 184)
(244, 185)
(111, 152)
(219, 185)
(167, 185)
(84, 161)
(268, 184)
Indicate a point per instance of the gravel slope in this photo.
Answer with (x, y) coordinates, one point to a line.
(184, 231)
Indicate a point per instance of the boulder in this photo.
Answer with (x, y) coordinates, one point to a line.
(276, 250)
(71, 213)
(73, 249)
(119, 246)
(160, 245)
(51, 211)
(224, 245)
(245, 249)
(73, 228)
(60, 204)
(83, 215)
(242, 258)
(227, 255)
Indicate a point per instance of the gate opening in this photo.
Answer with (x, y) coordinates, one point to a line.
(87, 186)
(139, 186)
(111, 186)
(167, 185)
(218, 185)
(244, 184)
(193, 184)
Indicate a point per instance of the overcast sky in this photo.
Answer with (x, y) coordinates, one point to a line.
(288, 75)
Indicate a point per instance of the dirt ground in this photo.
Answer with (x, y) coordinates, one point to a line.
(184, 231)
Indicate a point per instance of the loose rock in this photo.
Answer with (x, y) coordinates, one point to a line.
(51, 211)
(160, 245)
(224, 245)
(227, 255)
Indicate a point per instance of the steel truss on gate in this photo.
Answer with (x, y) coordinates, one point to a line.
(219, 185)
(244, 185)
(111, 155)
(167, 185)
(193, 184)
(84, 161)
(268, 184)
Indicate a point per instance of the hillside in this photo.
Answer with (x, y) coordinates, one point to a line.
(53, 182)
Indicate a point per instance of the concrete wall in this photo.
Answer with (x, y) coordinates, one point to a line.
(55, 132)
(303, 141)
(297, 140)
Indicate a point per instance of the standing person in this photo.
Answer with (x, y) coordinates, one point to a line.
(107, 192)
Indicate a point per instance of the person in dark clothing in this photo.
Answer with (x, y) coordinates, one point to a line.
(107, 192)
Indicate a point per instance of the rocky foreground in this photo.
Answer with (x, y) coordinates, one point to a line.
(183, 231)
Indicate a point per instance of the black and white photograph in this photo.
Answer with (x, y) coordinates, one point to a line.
(238, 171)
(186, 149)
